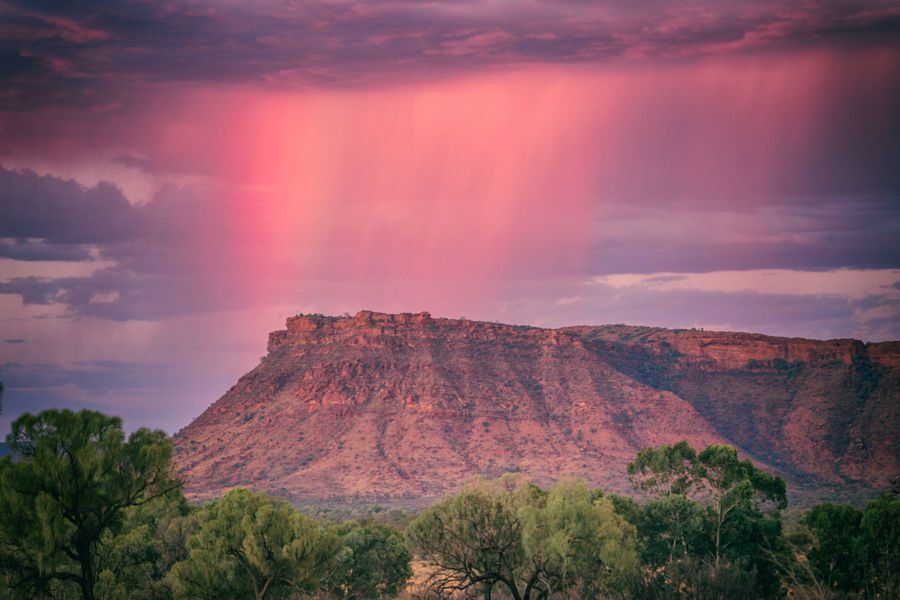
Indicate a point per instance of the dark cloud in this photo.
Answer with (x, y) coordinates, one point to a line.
(86, 53)
(14, 341)
(60, 212)
(166, 253)
(18, 249)
(90, 377)
(120, 294)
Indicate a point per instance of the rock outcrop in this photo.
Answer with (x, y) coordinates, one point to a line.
(381, 407)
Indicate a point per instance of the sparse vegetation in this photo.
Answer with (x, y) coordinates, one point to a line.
(86, 513)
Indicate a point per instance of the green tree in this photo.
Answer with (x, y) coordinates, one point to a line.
(716, 477)
(135, 564)
(574, 540)
(879, 547)
(833, 554)
(527, 541)
(742, 505)
(253, 545)
(670, 528)
(734, 486)
(668, 469)
(373, 563)
(74, 477)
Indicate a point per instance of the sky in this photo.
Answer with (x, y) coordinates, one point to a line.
(177, 178)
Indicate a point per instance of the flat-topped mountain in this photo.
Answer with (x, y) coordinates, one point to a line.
(382, 407)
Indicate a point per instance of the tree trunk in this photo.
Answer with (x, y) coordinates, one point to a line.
(513, 590)
(486, 589)
(261, 594)
(87, 572)
(718, 530)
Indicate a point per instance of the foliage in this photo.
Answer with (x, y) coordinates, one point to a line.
(688, 578)
(373, 563)
(879, 547)
(396, 516)
(834, 552)
(672, 527)
(737, 490)
(135, 564)
(252, 545)
(712, 504)
(87, 513)
(525, 540)
(70, 487)
(668, 469)
(847, 553)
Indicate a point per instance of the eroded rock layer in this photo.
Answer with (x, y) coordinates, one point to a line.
(381, 407)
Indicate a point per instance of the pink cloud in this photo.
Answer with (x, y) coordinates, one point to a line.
(71, 30)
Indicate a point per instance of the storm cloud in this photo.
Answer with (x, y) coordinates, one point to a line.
(89, 53)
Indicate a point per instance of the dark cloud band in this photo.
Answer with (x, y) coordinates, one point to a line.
(87, 53)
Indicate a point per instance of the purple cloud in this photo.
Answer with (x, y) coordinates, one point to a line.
(80, 54)
(60, 212)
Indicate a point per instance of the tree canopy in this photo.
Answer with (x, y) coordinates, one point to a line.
(251, 545)
(74, 477)
(88, 512)
(528, 541)
(373, 563)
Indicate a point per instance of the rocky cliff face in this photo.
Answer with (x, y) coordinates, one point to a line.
(379, 407)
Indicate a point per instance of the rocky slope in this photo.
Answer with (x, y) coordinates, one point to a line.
(387, 407)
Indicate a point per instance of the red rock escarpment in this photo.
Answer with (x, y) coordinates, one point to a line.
(382, 406)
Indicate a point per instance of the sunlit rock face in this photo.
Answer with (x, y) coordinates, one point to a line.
(407, 407)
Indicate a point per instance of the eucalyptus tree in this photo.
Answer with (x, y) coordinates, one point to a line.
(735, 488)
(731, 489)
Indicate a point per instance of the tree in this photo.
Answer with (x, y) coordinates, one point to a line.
(741, 525)
(833, 554)
(135, 564)
(373, 563)
(668, 469)
(523, 539)
(574, 540)
(670, 528)
(473, 541)
(253, 545)
(879, 547)
(734, 485)
(715, 476)
(74, 477)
